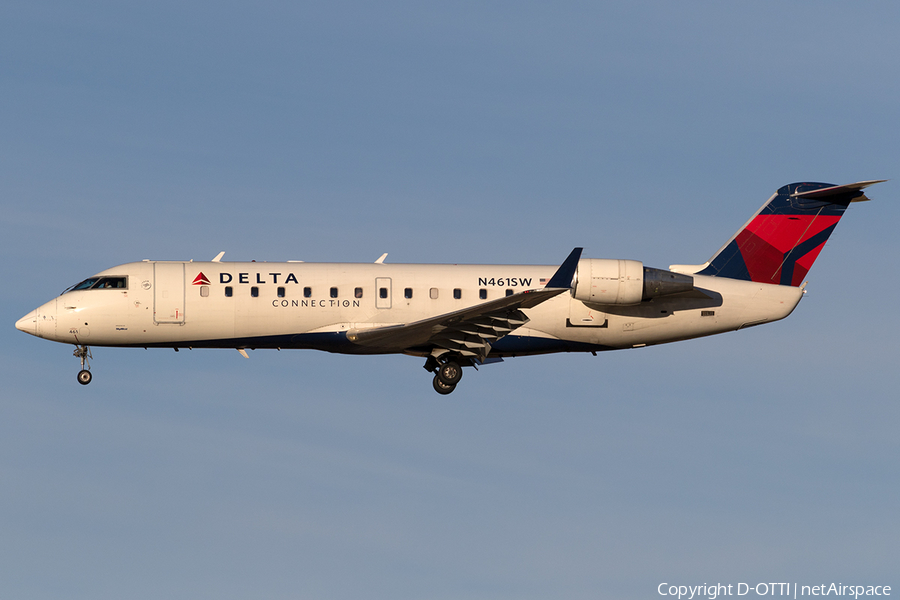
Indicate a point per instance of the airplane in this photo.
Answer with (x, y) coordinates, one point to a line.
(453, 316)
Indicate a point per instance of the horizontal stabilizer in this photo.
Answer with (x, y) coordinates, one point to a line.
(836, 192)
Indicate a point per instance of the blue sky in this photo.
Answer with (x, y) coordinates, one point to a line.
(471, 132)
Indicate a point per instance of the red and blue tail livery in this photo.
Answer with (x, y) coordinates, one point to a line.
(782, 240)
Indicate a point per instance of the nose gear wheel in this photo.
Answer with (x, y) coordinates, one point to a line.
(84, 353)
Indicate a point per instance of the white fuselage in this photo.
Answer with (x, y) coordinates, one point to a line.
(314, 305)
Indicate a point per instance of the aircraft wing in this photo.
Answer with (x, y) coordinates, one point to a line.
(470, 331)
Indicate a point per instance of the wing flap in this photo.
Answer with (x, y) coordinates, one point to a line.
(504, 314)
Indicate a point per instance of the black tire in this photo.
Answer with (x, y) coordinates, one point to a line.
(84, 377)
(450, 372)
(442, 388)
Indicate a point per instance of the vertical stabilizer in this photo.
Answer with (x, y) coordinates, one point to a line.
(782, 240)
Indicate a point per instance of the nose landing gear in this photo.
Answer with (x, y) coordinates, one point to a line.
(84, 353)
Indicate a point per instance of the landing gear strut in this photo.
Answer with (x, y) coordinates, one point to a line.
(447, 373)
(84, 375)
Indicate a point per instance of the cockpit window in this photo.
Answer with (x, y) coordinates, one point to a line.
(96, 283)
(87, 283)
(110, 282)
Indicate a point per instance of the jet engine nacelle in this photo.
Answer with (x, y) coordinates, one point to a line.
(624, 282)
(609, 281)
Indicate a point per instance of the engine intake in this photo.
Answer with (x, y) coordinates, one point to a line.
(625, 282)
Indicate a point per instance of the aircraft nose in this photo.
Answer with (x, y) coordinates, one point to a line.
(28, 323)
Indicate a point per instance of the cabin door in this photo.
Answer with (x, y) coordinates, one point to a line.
(168, 292)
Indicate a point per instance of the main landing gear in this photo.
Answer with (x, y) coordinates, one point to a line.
(84, 353)
(447, 373)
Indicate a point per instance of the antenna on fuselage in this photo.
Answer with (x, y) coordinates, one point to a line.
(381, 259)
(219, 256)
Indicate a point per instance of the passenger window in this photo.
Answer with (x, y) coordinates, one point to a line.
(228, 291)
(482, 293)
(407, 293)
(357, 293)
(334, 292)
(254, 291)
(457, 293)
(204, 291)
(307, 292)
(281, 292)
(382, 292)
(509, 292)
(433, 293)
